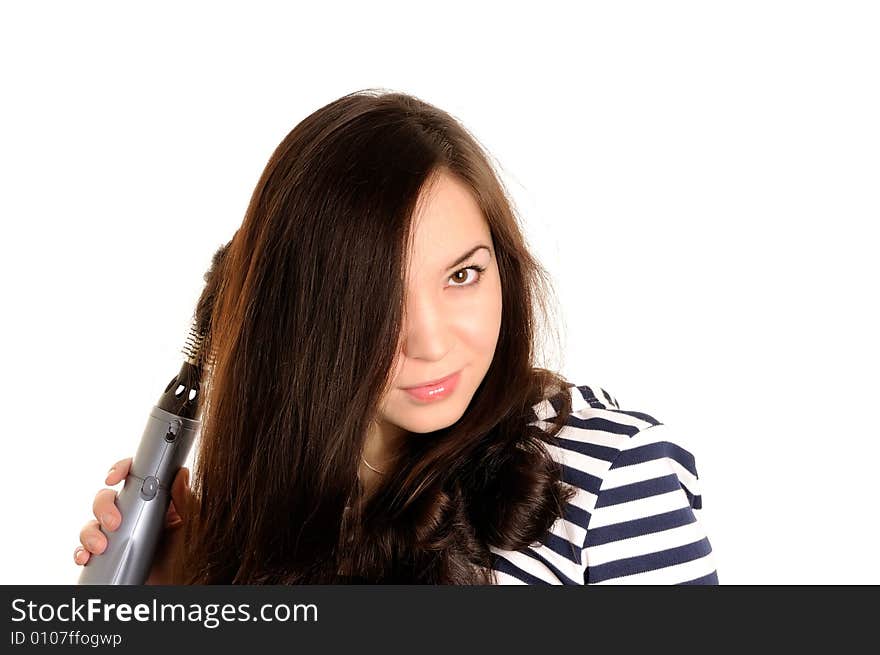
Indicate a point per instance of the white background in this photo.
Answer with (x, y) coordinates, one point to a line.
(701, 179)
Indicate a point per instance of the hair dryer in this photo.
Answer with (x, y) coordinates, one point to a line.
(172, 427)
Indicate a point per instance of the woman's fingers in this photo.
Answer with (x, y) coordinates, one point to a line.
(81, 555)
(105, 510)
(181, 495)
(91, 538)
(118, 471)
(106, 513)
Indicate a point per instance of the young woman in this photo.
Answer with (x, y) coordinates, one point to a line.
(374, 414)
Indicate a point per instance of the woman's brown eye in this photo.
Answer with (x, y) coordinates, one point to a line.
(460, 277)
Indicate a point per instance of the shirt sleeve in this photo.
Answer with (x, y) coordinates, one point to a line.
(645, 527)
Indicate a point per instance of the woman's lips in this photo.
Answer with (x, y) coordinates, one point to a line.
(436, 391)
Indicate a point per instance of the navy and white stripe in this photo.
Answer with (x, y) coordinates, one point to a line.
(633, 519)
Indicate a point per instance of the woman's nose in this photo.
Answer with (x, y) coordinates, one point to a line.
(426, 335)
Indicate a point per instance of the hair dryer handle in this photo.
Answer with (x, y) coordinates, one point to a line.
(143, 502)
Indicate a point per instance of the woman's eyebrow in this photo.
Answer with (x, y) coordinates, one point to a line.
(468, 254)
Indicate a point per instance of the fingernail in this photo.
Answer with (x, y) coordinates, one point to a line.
(110, 472)
(78, 553)
(93, 545)
(108, 520)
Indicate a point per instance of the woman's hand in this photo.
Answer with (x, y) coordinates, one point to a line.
(108, 516)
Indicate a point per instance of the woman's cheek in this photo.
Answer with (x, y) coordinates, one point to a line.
(481, 323)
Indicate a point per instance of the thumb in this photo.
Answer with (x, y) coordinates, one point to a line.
(181, 495)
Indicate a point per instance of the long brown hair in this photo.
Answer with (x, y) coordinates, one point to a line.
(308, 302)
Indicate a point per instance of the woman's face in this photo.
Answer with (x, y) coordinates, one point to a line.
(453, 313)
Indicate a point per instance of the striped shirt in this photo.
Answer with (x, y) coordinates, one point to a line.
(633, 519)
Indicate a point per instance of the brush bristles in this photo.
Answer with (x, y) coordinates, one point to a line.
(201, 323)
(193, 346)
